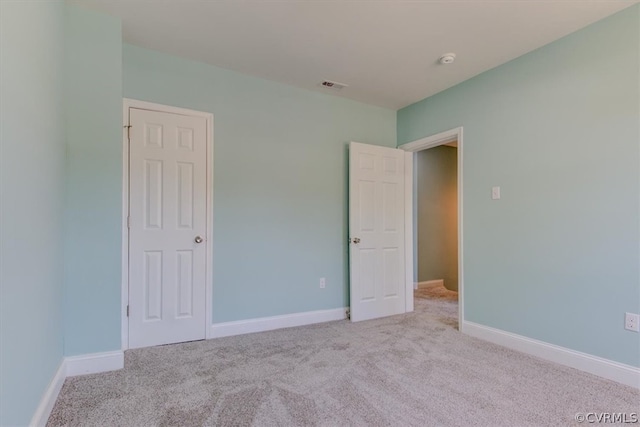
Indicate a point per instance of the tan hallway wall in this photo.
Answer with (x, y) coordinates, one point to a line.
(437, 215)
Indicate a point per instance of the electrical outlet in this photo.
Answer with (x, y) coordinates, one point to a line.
(323, 282)
(632, 322)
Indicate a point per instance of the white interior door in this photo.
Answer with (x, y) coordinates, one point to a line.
(376, 229)
(167, 227)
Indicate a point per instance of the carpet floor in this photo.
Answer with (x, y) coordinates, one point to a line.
(436, 291)
(408, 370)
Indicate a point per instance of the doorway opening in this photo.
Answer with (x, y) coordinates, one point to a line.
(433, 206)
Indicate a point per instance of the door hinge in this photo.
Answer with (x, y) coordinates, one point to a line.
(128, 132)
(127, 310)
(348, 314)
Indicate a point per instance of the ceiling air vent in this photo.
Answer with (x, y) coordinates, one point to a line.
(333, 85)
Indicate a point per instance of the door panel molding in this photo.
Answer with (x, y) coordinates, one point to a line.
(184, 141)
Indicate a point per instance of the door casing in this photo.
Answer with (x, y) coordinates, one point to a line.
(411, 149)
(143, 105)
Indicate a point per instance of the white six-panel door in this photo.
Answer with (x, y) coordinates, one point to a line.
(376, 230)
(167, 227)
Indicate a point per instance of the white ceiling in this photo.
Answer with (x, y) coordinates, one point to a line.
(385, 50)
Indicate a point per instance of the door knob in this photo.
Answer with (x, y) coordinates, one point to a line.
(198, 239)
(356, 240)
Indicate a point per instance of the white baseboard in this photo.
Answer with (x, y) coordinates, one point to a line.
(226, 329)
(429, 283)
(69, 367)
(49, 397)
(94, 363)
(618, 372)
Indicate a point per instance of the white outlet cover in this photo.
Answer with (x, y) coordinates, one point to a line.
(632, 322)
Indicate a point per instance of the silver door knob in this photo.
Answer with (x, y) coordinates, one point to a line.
(198, 239)
(356, 240)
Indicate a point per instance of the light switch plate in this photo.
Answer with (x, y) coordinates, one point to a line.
(495, 193)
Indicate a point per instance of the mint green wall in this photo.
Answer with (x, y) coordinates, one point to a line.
(94, 182)
(31, 196)
(437, 215)
(280, 174)
(556, 259)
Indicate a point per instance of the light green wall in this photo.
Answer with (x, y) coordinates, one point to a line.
(31, 198)
(93, 209)
(556, 259)
(280, 174)
(437, 215)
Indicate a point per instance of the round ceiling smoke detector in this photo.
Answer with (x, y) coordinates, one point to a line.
(447, 58)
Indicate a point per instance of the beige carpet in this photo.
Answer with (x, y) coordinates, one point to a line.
(407, 370)
(436, 291)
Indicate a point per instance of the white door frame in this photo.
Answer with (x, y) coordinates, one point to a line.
(411, 149)
(143, 105)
